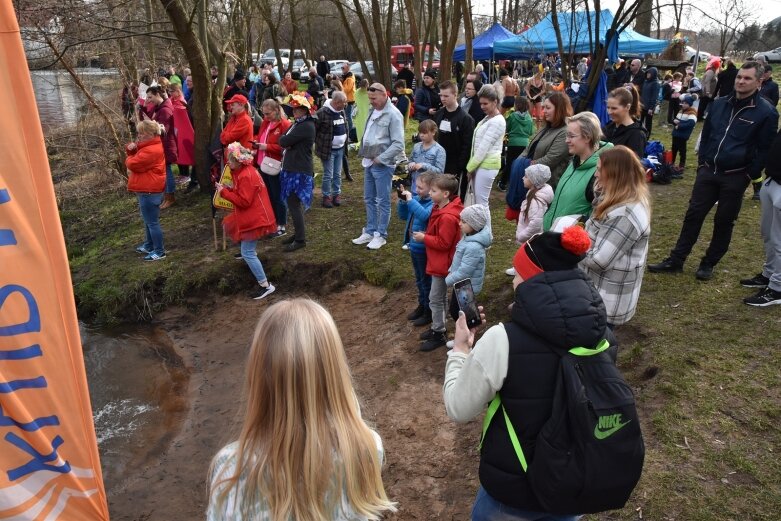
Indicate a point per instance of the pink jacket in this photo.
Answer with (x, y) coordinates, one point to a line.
(539, 205)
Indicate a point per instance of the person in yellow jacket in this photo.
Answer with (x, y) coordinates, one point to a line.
(348, 85)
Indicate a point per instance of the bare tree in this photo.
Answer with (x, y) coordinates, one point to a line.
(727, 19)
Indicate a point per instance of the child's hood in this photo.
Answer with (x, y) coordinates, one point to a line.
(545, 194)
(484, 237)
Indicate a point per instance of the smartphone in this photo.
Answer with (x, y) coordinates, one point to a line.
(399, 190)
(465, 296)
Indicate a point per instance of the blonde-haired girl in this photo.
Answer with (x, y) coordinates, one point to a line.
(619, 228)
(304, 452)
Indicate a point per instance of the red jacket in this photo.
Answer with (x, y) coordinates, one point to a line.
(274, 151)
(146, 164)
(253, 216)
(442, 236)
(239, 128)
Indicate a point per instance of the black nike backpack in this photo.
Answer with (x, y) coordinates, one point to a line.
(589, 454)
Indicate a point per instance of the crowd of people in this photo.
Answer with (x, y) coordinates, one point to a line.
(576, 192)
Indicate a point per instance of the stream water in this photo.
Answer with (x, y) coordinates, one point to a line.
(61, 103)
(137, 385)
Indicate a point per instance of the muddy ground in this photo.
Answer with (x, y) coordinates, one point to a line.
(431, 462)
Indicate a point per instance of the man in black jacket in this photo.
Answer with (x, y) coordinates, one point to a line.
(769, 280)
(734, 145)
(455, 133)
(769, 88)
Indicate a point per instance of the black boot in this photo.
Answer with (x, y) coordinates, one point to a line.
(705, 271)
(757, 187)
(668, 265)
(437, 339)
(424, 319)
(417, 313)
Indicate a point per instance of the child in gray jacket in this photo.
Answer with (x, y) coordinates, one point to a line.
(469, 259)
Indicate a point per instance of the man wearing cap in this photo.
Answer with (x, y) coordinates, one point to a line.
(455, 133)
(555, 308)
(769, 88)
(427, 97)
(239, 125)
(237, 86)
(381, 144)
(733, 149)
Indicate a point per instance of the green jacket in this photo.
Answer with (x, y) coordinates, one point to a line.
(520, 128)
(570, 196)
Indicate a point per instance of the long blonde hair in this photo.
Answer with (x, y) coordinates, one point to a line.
(621, 181)
(303, 442)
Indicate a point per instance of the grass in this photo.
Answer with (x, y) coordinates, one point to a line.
(704, 365)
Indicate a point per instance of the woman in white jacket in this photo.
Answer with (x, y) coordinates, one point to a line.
(538, 198)
(487, 141)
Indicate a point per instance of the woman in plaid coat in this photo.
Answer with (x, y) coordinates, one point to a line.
(619, 227)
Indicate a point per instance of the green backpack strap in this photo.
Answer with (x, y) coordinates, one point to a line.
(582, 351)
(489, 415)
(497, 402)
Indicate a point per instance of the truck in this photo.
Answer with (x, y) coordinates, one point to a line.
(406, 54)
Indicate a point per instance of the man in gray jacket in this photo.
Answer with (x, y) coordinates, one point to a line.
(382, 143)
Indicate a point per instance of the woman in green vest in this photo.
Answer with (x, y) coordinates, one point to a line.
(575, 190)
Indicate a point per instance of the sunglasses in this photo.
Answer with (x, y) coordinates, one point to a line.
(375, 89)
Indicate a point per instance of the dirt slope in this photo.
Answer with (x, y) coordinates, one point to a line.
(431, 463)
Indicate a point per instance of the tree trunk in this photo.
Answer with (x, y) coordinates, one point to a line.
(644, 16)
(414, 37)
(197, 58)
(555, 22)
(469, 35)
(150, 41)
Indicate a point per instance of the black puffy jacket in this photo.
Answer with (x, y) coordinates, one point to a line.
(553, 312)
(737, 135)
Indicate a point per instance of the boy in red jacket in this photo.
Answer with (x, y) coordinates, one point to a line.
(440, 238)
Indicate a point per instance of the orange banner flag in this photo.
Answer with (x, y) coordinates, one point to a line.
(49, 464)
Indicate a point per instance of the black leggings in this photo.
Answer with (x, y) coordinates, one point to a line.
(647, 120)
(679, 146)
(297, 214)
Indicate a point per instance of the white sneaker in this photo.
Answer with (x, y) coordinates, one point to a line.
(377, 242)
(364, 238)
(511, 272)
(405, 247)
(450, 344)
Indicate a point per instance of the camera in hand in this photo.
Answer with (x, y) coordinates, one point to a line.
(465, 296)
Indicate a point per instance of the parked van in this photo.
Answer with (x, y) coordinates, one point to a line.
(270, 57)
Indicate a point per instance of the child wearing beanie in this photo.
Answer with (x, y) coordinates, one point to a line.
(538, 197)
(469, 260)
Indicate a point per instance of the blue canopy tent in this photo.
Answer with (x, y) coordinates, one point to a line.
(574, 27)
(483, 44)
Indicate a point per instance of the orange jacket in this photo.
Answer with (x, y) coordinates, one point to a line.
(348, 85)
(239, 128)
(146, 164)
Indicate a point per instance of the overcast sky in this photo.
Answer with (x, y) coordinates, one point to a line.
(769, 10)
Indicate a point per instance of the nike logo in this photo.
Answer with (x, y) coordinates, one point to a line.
(608, 425)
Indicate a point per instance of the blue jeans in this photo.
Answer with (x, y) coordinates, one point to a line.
(487, 508)
(250, 256)
(149, 205)
(170, 182)
(376, 196)
(332, 173)
(422, 281)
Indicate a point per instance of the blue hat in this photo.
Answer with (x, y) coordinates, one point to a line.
(688, 99)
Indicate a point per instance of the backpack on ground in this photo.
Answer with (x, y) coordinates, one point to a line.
(589, 454)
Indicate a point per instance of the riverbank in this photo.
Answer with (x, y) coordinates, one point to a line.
(704, 366)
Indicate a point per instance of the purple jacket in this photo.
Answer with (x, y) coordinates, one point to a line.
(164, 114)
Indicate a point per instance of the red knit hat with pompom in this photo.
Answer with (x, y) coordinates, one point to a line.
(552, 251)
